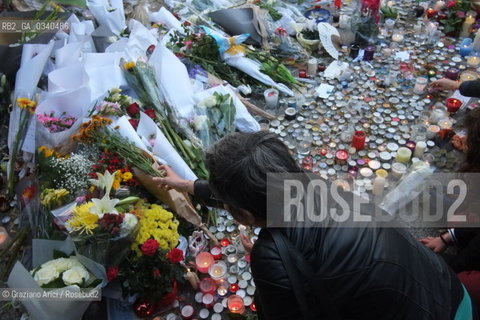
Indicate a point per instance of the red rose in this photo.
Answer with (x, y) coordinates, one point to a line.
(156, 273)
(150, 113)
(134, 123)
(112, 273)
(451, 4)
(149, 247)
(133, 109)
(175, 255)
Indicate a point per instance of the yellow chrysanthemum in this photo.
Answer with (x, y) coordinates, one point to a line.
(127, 176)
(129, 65)
(25, 103)
(83, 221)
(116, 185)
(159, 224)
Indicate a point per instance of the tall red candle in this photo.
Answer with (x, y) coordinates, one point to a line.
(358, 140)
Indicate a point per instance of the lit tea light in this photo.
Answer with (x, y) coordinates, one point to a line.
(410, 145)
(232, 258)
(3, 237)
(253, 307)
(271, 97)
(431, 13)
(203, 261)
(222, 291)
(445, 123)
(218, 270)
(235, 304)
(225, 242)
(233, 288)
(453, 104)
(397, 37)
(341, 157)
(432, 131)
(468, 76)
(473, 61)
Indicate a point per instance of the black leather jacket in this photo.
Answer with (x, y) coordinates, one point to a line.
(369, 274)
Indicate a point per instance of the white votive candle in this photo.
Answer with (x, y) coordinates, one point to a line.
(420, 148)
(398, 170)
(432, 131)
(445, 123)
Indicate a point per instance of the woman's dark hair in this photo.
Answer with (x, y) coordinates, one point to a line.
(238, 166)
(472, 156)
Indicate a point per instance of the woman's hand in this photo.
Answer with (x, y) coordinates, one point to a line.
(247, 244)
(445, 84)
(171, 180)
(434, 243)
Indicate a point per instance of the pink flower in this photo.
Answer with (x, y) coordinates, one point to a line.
(188, 44)
(451, 4)
(460, 14)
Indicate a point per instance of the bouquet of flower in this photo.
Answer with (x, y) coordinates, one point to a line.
(113, 163)
(456, 11)
(56, 124)
(27, 109)
(214, 118)
(56, 268)
(152, 275)
(63, 271)
(141, 77)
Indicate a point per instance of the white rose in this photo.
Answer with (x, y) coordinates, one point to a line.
(129, 222)
(75, 262)
(60, 264)
(210, 102)
(45, 275)
(76, 275)
(199, 122)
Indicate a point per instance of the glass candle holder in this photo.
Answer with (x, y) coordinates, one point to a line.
(369, 53)
(358, 140)
(208, 285)
(453, 104)
(398, 170)
(468, 76)
(432, 131)
(235, 304)
(203, 261)
(403, 155)
(473, 61)
(420, 85)
(312, 66)
(216, 252)
(445, 123)
(218, 270)
(452, 73)
(271, 98)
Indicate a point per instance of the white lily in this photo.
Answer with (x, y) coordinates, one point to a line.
(104, 181)
(104, 205)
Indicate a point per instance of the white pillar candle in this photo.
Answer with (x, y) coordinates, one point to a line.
(445, 123)
(476, 41)
(432, 131)
(312, 66)
(467, 24)
(271, 97)
(3, 237)
(398, 170)
(420, 148)
(378, 186)
(403, 155)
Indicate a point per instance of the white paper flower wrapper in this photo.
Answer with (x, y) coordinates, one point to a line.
(53, 310)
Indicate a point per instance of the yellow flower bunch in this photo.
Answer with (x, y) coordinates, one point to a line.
(53, 198)
(83, 221)
(25, 103)
(159, 224)
(129, 65)
(127, 176)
